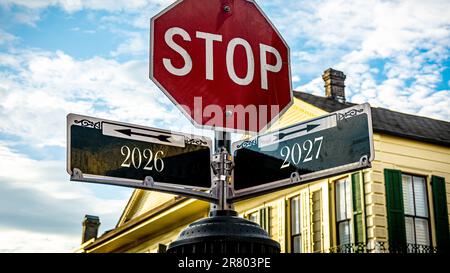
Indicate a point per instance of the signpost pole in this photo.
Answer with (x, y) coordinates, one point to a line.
(223, 232)
(222, 140)
(222, 165)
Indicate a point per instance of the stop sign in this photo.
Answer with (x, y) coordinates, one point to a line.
(222, 62)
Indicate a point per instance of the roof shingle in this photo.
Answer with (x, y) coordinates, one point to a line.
(391, 122)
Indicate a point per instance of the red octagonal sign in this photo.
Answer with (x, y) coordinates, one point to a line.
(222, 62)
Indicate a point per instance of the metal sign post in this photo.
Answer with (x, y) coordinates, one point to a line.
(223, 232)
(222, 165)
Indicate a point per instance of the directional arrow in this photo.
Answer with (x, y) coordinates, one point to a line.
(308, 128)
(128, 132)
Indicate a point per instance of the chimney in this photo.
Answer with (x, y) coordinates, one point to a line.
(90, 227)
(334, 84)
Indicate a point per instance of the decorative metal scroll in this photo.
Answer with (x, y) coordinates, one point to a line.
(350, 113)
(88, 123)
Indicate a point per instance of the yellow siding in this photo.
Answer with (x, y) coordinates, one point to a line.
(151, 245)
(390, 152)
(143, 201)
(408, 156)
(297, 112)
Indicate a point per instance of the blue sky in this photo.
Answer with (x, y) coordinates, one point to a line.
(91, 57)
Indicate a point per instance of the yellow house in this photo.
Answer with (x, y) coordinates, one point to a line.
(400, 204)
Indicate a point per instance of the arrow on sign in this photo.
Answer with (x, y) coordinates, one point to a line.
(128, 132)
(308, 128)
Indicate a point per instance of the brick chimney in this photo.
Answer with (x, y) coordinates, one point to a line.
(90, 227)
(334, 84)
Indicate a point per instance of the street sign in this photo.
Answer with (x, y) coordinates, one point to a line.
(109, 152)
(222, 62)
(335, 143)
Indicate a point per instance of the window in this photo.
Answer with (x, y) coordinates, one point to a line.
(254, 217)
(343, 212)
(262, 218)
(296, 236)
(415, 204)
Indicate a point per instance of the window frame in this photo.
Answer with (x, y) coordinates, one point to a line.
(425, 181)
(291, 234)
(256, 212)
(259, 217)
(350, 207)
(265, 221)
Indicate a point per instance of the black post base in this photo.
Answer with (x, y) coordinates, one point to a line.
(223, 232)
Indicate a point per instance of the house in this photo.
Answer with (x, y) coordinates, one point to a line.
(400, 204)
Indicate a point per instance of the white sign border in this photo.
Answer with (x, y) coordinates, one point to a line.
(148, 183)
(296, 180)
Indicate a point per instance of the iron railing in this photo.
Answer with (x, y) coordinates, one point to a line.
(382, 247)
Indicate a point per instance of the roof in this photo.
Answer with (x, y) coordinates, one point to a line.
(390, 122)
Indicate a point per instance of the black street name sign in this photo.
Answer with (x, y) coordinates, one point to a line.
(322, 147)
(109, 152)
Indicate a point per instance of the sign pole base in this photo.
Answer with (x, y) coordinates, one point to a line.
(224, 233)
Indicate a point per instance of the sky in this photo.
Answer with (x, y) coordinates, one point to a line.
(91, 57)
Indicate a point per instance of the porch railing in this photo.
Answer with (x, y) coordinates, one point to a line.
(382, 247)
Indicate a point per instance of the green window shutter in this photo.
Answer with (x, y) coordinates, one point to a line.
(358, 208)
(395, 210)
(264, 219)
(440, 213)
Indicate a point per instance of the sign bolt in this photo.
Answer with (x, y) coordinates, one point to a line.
(226, 8)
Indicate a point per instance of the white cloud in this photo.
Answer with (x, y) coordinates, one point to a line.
(46, 86)
(76, 5)
(40, 203)
(6, 38)
(13, 241)
(411, 39)
(136, 44)
(27, 17)
(37, 90)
